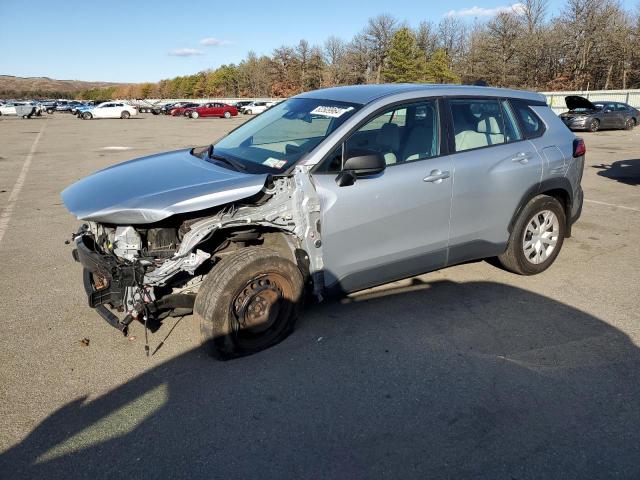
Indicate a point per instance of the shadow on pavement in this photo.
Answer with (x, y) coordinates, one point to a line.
(624, 171)
(437, 380)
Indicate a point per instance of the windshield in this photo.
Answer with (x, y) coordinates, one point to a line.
(278, 138)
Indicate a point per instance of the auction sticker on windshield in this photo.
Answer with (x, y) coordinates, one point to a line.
(274, 162)
(327, 111)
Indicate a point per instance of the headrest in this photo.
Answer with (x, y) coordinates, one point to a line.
(389, 136)
(489, 125)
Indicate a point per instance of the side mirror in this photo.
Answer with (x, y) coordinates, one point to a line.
(369, 163)
(361, 164)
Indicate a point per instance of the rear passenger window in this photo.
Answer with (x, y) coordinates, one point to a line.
(531, 124)
(482, 122)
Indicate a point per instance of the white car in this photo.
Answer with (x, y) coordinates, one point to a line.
(256, 107)
(110, 110)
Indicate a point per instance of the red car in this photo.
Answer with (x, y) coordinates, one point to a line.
(180, 108)
(212, 110)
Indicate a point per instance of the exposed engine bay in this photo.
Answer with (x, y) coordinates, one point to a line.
(151, 271)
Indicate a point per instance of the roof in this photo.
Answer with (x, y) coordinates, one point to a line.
(364, 94)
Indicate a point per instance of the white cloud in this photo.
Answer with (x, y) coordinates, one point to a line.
(214, 42)
(485, 12)
(185, 52)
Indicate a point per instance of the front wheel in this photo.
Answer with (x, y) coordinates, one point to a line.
(227, 114)
(87, 116)
(124, 115)
(248, 112)
(629, 124)
(248, 302)
(536, 238)
(194, 115)
(594, 126)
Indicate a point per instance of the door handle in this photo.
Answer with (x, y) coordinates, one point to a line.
(436, 176)
(522, 157)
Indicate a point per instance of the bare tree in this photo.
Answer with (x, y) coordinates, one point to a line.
(377, 34)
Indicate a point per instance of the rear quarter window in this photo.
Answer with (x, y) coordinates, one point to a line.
(532, 126)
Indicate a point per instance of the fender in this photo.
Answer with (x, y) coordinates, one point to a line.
(557, 184)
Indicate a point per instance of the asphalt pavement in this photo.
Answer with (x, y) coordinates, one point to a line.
(467, 372)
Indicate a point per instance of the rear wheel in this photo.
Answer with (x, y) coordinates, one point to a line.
(124, 115)
(594, 125)
(536, 238)
(248, 302)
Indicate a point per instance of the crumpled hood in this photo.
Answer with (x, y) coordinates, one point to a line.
(575, 101)
(149, 189)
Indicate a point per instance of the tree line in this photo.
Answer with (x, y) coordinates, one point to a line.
(587, 45)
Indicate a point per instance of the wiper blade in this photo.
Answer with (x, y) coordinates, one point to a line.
(236, 165)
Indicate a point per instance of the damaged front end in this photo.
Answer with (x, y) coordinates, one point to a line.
(148, 272)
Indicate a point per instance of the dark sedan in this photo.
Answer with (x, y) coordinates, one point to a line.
(585, 115)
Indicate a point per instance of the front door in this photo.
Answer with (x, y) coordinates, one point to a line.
(394, 224)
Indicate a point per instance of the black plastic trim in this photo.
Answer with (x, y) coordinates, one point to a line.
(559, 183)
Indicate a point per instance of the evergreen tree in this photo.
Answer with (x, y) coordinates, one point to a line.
(405, 62)
(438, 71)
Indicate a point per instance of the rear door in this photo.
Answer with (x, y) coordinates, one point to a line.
(494, 166)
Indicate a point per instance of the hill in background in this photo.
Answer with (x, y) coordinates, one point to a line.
(39, 87)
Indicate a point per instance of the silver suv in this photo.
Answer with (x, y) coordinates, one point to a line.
(329, 192)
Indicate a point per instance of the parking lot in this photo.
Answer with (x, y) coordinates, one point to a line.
(468, 372)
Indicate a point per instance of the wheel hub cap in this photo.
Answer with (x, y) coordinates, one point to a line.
(541, 236)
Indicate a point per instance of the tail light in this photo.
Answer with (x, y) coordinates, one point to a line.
(579, 148)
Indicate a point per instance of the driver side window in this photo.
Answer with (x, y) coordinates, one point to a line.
(402, 134)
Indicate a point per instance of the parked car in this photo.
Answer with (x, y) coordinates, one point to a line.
(255, 107)
(10, 108)
(110, 110)
(166, 108)
(214, 109)
(335, 190)
(241, 104)
(67, 106)
(585, 115)
(179, 108)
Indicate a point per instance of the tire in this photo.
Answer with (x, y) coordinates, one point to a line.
(594, 125)
(194, 115)
(87, 116)
(517, 258)
(227, 114)
(249, 280)
(248, 112)
(124, 115)
(50, 111)
(629, 124)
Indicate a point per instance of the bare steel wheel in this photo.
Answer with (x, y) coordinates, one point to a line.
(249, 301)
(257, 306)
(540, 236)
(536, 237)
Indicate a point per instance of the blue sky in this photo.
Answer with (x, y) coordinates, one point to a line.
(135, 41)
